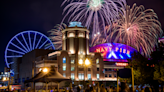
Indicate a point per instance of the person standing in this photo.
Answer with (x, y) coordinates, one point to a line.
(110, 89)
(88, 88)
(97, 88)
(103, 88)
(78, 89)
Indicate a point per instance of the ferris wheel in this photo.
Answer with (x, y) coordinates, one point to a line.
(25, 42)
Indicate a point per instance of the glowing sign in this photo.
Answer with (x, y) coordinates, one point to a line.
(114, 51)
(121, 64)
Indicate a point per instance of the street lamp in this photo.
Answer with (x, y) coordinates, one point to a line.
(84, 64)
(45, 70)
(80, 61)
(4, 78)
(87, 62)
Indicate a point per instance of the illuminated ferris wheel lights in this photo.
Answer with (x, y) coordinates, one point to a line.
(25, 42)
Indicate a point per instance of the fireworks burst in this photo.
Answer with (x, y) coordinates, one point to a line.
(56, 35)
(138, 28)
(92, 12)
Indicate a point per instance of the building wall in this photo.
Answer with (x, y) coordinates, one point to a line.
(26, 64)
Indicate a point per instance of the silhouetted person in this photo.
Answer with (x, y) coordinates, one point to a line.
(147, 89)
(103, 89)
(97, 88)
(78, 89)
(88, 88)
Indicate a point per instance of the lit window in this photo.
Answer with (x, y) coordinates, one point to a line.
(97, 61)
(64, 74)
(110, 75)
(64, 60)
(106, 75)
(71, 35)
(81, 35)
(89, 76)
(87, 36)
(98, 76)
(72, 68)
(81, 76)
(64, 68)
(72, 61)
(72, 76)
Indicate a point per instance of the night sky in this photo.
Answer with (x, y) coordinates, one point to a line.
(43, 15)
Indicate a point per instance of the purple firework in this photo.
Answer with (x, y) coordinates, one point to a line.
(93, 13)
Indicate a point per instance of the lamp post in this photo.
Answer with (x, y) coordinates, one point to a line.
(45, 70)
(84, 64)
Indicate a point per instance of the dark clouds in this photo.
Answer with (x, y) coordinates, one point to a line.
(42, 15)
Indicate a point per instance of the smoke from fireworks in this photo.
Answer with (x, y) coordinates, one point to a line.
(56, 35)
(93, 12)
(138, 28)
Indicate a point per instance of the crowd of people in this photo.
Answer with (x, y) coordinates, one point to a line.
(122, 88)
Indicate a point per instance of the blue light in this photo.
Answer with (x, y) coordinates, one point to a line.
(34, 41)
(21, 44)
(128, 55)
(15, 51)
(47, 47)
(22, 48)
(38, 42)
(112, 54)
(74, 24)
(29, 40)
(18, 47)
(25, 42)
(121, 56)
(43, 44)
(14, 56)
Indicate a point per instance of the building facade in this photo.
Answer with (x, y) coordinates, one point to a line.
(76, 60)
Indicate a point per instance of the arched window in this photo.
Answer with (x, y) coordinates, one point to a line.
(97, 61)
(64, 60)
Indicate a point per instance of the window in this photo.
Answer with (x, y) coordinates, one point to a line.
(98, 76)
(23, 79)
(115, 75)
(106, 75)
(64, 74)
(72, 76)
(81, 35)
(64, 68)
(97, 69)
(64, 60)
(27, 78)
(89, 76)
(81, 76)
(19, 80)
(89, 69)
(72, 61)
(71, 35)
(110, 75)
(72, 68)
(97, 61)
(110, 69)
